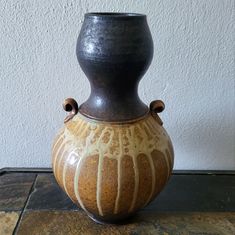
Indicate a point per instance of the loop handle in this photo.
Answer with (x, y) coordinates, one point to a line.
(70, 105)
(157, 106)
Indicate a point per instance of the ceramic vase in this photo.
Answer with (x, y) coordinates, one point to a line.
(112, 157)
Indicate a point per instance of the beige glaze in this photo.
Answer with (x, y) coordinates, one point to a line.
(112, 169)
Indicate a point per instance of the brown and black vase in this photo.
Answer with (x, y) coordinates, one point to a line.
(113, 156)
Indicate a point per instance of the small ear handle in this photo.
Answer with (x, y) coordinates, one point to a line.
(70, 105)
(157, 106)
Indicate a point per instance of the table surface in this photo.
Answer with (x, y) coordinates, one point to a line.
(191, 203)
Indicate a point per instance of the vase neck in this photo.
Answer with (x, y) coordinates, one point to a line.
(114, 101)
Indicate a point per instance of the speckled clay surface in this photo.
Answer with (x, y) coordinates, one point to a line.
(113, 156)
(112, 169)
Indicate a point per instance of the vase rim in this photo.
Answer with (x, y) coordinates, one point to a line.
(116, 15)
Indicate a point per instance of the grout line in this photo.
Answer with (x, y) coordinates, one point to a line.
(25, 205)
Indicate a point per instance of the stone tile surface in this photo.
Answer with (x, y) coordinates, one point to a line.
(76, 222)
(196, 193)
(47, 195)
(14, 190)
(190, 204)
(8, 222)
(182, 193)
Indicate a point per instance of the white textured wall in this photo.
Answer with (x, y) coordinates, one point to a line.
(192, 72)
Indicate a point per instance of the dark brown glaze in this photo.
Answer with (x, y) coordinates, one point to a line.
(70, 105)
(114, 50)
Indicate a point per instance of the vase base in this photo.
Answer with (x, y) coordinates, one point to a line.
(111, 220)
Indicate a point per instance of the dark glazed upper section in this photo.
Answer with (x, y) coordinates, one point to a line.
(114, 14)
(122, 36)
(114, 50)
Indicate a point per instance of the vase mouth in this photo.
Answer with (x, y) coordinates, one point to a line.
(114, 15)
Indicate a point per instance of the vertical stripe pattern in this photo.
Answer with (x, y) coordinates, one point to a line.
(82, 146)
